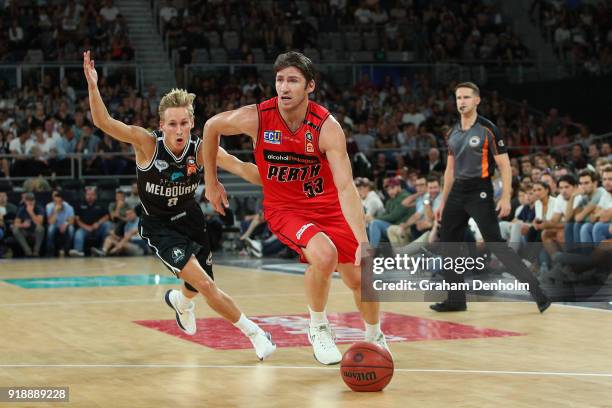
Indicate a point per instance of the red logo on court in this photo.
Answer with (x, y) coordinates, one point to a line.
(291, 330)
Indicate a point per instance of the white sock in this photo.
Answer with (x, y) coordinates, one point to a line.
(246, 326)
(372, 330)
(317, 318)
(183, 301)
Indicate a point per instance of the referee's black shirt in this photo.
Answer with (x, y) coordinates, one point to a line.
(473, 149)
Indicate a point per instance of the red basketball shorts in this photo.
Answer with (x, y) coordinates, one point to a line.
(296, 228)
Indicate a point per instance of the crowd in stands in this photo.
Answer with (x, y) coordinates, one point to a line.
(580, 33)
(339, 30)
(36, 31)
(69, 223)
(41, 127)
(565, 208)
(393, 128)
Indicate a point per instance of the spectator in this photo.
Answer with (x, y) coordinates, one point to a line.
(126, 241)
(109, 12)
(598, 228)
(91, 221)
(423, 219)
(118, 208)
(370, 200)
(133, 199)
(588, 196)
(60, 218)
(552, 231)
(365, 141)
(28, 225)
(434, 163)
(395, 213)
(36, 185)
(8, 211)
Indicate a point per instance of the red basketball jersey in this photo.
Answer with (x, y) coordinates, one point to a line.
(294, 172)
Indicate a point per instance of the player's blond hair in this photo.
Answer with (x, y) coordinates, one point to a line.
(176, 98)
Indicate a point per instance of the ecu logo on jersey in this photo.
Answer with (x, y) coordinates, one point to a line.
(273, 136)
(192, 168)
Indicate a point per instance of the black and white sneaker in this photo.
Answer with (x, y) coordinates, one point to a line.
(185, 318)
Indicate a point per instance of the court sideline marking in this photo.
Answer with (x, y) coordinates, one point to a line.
(230, 366)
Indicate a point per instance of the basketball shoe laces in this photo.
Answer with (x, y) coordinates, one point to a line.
(325, 336)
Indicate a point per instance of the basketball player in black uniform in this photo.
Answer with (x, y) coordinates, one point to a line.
(475, 147)
(169, 169)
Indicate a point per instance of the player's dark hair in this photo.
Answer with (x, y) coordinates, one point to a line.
(297, 60)
(469, 85)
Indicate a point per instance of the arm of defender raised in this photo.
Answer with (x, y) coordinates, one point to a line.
(134, 135)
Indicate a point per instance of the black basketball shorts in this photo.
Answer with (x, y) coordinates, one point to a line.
(175, 239)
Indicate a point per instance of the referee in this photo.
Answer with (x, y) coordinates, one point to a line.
(475, 146)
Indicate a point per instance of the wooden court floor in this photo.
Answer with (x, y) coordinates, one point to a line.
(86, 338)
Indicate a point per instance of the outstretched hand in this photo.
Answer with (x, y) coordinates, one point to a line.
(89, 68)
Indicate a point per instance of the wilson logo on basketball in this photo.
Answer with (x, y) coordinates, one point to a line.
(369, 376)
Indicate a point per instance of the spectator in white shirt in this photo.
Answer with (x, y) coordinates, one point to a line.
(370, 200)
(109, 12)
(552, 230)
(412, 116)
(17, 146)
(599, 227)
(365, 141)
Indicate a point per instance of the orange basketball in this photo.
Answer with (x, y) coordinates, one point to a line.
(366, 367)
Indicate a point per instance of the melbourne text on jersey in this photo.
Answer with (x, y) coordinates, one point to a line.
(170, 191)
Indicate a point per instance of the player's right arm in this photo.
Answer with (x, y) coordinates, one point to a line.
(135, 135)
(449, 178)
(244, 120)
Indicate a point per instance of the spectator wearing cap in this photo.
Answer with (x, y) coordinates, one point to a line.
(372, 204)
(60, 218)
(395, 213)
(28, 224)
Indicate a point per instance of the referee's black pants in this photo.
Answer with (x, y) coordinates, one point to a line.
(474, 198)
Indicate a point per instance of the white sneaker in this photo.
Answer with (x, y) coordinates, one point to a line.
(323, 344)
(262, 341)
(255, 247)
(380, 340)
(74, 252)
(97, 252)
(185, 318)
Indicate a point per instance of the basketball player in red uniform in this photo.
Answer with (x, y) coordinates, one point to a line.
(310, 201)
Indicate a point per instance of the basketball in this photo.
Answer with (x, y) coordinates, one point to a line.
(366, 367)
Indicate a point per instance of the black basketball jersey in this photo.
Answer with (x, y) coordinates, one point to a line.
(166, 186)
